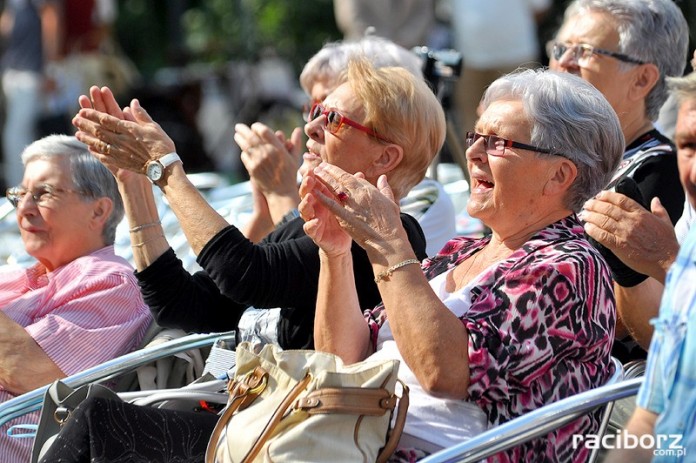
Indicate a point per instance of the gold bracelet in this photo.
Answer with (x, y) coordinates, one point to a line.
(144, 226)
(388, 272)
(139, 245)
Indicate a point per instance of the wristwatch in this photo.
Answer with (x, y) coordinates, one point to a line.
(155, 169)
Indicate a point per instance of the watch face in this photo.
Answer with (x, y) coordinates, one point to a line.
(154, 171)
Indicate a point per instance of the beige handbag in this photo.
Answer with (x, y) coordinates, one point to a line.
(301, 405)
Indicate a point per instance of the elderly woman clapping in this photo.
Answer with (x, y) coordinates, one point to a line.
(489, 328)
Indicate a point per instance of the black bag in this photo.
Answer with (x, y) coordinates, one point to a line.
(59, 402)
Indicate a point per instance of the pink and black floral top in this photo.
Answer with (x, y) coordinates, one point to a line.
(541, 327)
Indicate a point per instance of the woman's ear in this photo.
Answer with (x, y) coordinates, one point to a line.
(562, 177)
(390, 157)
(101, 211)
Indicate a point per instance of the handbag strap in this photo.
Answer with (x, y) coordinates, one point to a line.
(242, 393)
(276, 417)
(395, 434)
(360, 401)
(348, 400)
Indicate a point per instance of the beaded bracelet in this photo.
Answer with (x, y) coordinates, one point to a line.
(139, 245)
(137, 228)
(388, 272)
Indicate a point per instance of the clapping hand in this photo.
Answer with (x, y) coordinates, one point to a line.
(369, 214)
(320, 222)
(121, 143)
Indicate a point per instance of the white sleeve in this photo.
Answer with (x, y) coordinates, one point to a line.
(681, 229)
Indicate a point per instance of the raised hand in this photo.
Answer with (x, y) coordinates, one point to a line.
(103, 100)
(369, 214)
(320, 222)
(128, 143)
(271, 160)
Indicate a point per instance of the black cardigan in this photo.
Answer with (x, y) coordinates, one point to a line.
(281, 271)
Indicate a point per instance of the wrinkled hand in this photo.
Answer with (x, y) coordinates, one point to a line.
(103, 100)
(644, 240)
(320, 223)
(128, 143)
(369, 214)
(271, 160)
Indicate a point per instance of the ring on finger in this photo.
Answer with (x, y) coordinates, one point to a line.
(107, 148)
(342, 196)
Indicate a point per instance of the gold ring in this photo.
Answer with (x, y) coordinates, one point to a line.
(108, 148)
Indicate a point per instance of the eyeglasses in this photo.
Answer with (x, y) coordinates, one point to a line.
(582, 52)
(41, 196)
(307, 108)
(495, 146)
(334, 121)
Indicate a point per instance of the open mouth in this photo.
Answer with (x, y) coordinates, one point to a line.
(480, 182)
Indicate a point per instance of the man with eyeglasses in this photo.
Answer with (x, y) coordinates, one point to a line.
(626, 48)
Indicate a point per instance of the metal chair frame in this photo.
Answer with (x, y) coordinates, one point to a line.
(32, 400)
(535, 424)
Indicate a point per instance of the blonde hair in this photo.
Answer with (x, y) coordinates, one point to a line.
(403, 109)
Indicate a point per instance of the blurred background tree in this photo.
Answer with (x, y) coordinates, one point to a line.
(207, 64)
(159, 33)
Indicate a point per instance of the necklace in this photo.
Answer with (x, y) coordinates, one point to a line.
(463, 274)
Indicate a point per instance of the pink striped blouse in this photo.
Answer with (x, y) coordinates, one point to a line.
(81, 314)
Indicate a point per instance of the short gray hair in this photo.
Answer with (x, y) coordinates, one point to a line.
(88, 174)
(331, 62)
(653, 31)
(570, 117)
(683, 88)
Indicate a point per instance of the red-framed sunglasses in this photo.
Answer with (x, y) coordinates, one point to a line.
(334, 121)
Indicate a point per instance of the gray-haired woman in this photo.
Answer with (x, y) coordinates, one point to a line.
(489, 328)
(80, 304)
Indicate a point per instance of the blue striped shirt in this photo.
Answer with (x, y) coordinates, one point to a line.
(669, 389)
